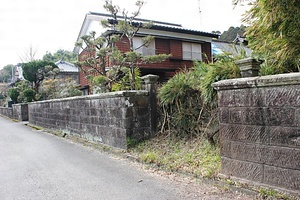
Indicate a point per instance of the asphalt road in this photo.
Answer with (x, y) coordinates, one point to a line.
(38, 165)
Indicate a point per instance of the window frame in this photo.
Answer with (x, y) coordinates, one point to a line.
(144, 50)
(191, 51)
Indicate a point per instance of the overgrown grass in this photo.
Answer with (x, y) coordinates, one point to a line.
(194, 156)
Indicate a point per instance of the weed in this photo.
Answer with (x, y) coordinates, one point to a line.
(150, 157)
(131, 142)
(193, 156)
(36, 127)
(272, 194)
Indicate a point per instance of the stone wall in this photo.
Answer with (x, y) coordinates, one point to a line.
(20, 111)
(6, 111)
(260, 129)
(17, 111)
(110, 118)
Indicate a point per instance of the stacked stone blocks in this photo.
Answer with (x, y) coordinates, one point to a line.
(109, 118)
(6, 111)
(260, 129)
(20, 111)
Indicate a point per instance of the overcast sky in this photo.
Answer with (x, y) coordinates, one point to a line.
(51, 25)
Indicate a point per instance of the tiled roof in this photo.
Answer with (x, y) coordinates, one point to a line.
(66, 66)
(164, 26)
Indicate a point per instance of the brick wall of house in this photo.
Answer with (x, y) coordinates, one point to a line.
(123, 44)
(206, 52)
(82, 77)
(176, 49)
(162, 46)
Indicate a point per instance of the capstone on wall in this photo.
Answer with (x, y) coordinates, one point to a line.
(109, 118)
(260, 129)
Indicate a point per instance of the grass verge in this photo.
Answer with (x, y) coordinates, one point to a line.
(194, 156)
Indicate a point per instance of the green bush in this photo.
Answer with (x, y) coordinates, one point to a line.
(58, 88)
(118, 78)
(99, 84)
(223, 68)
(13, 94)
(122, 79)
(29, 95)
(185, 113)
(268, 68)
(23, 87)
(188, 100)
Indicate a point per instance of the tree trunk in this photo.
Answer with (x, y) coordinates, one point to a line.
(36, 87)
(103, 67)
(132, 84)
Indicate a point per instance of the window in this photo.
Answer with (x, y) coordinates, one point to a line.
(144, 50)
(191, 51)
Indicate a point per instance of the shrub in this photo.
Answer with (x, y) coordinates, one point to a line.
(122, 79)
(13, 94)
(188, 99)
(99, 84)
(58, 88)
(185, 113)
(267, 68)
(117, 79)
(223, 68)
(29, 95)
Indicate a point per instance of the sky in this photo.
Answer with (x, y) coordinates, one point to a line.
(47, 26)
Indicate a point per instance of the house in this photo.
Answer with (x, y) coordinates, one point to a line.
(17, 73)
(67, 70)
(184, 45)
(240, 40)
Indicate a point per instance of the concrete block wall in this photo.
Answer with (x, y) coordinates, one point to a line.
(6, 111)
(20, 111)
(17, 111)
(108, 118)
(260, 129)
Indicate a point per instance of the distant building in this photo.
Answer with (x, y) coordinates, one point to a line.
(17, 73)
(67, 70)
(241, 40)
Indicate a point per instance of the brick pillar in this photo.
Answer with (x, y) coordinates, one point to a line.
(249, 67)
(151, 86)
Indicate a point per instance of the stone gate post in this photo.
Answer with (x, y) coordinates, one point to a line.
(151, 86)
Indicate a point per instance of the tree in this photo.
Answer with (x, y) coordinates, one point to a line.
(274, 31)
(232, 32)
(21, 92)
(36, 71)
(216, 32)
(60, 55)
(28, 55)
(6, 73)
(97, 49)
(129, 28)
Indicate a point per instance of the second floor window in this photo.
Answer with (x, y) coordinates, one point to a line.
(144, 50)
(191, 51)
